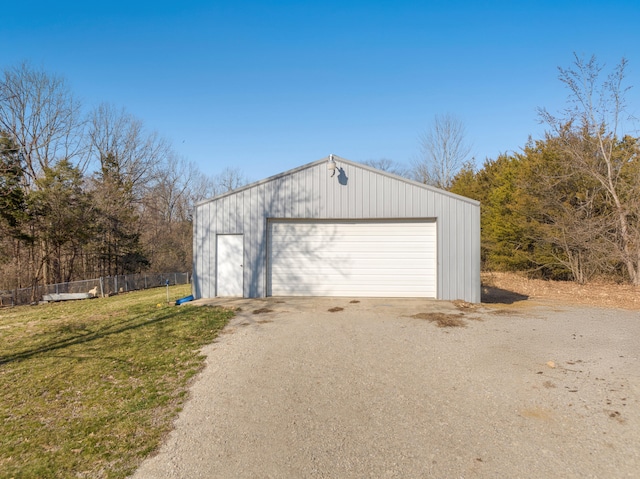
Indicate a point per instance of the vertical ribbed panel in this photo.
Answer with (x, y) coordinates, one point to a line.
(358, 192)
(196, 268)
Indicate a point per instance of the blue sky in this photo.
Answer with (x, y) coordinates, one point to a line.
(268, 86)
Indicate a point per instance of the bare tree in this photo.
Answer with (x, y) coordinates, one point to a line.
(166, 218)
(590, 134)
(170, 195)
(229, 179)
(388, 165)
(443, 151)
(42, 117)
(563, 212)
(133, 152)
(128, 161)
(202, 187)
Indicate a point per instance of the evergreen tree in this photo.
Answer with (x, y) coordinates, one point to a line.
(62, 215)
(117, 240)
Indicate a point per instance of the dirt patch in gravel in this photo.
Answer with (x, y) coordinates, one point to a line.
(510, 288)
(464, 306)
(442, 320)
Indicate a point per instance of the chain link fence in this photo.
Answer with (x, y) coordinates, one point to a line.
(100, 287)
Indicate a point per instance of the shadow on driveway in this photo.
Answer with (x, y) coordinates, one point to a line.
(492, 295)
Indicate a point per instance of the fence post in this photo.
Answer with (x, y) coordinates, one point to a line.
(101, 288)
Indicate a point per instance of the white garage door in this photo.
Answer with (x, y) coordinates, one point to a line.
(353, 258)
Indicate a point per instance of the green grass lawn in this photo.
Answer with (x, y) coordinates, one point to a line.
(89, 388)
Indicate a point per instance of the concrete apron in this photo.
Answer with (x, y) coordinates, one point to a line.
(396, 306)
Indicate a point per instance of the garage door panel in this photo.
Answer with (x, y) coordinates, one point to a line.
(330, 257)
(364, 250)
(362, 277)
(338, 259)
(345, 262)
(381, 287)
(342, 291)
(353, 258)
(331, 240)
(391, 268)
(353, 227)
(338, 245)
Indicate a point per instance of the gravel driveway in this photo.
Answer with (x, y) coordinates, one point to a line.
(530, 390)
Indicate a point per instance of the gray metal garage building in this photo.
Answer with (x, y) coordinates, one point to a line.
(337, 228)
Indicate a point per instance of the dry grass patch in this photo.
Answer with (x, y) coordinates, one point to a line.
(262, 311)
(464, 306)
(442, 320)
(504, 312)
(599, 294)
(336, 309)
(90, 388)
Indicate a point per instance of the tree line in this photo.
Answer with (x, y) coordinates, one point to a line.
(92, 193)
(88, 194)
(568, 205)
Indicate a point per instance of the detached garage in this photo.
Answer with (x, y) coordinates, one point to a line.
(337, 228)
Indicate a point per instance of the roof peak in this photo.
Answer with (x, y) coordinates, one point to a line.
(335, 158)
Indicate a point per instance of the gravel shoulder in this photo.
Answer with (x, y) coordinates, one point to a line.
(378, 389)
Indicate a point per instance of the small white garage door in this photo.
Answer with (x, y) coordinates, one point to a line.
(353, 258)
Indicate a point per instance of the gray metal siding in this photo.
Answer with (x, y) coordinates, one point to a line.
(309, 192)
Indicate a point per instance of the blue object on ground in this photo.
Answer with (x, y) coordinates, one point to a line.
(186, 299)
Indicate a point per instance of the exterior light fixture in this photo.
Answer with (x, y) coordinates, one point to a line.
(331, 166)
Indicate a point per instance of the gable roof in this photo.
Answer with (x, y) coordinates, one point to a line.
(347, 162)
